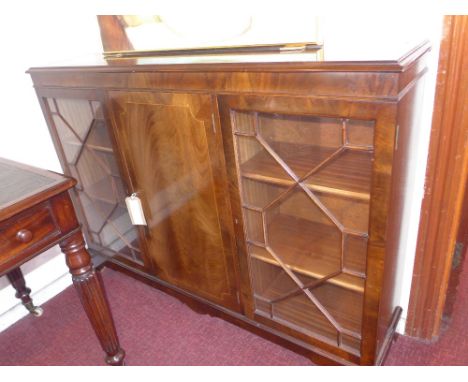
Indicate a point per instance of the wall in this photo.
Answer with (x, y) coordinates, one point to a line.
(33, 39)
(416, 178)
(50, 39)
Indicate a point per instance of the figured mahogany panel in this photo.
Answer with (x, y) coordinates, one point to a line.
(168, 142)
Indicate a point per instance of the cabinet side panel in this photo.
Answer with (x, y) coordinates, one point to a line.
(407, 114)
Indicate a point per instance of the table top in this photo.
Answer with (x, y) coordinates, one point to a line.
(22, 186)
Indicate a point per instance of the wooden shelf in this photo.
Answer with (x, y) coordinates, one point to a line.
(102, 149)
(309, 248)
(98, 148)
(125, 234)
(346, 175)
(301, 314)
(125, 252)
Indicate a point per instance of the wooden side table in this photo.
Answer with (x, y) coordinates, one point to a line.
(36, 213)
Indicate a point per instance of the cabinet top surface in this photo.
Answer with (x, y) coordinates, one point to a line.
(22, 186)
(396, 59)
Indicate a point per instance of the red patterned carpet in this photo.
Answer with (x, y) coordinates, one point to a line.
(451, 349)
(156, 329)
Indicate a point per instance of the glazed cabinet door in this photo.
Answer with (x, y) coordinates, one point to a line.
(302, 172)
(86, 151)
(172, 149)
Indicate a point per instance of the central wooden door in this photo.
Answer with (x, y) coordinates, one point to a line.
(171, 148)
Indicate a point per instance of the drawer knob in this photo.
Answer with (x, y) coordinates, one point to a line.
(24, 235)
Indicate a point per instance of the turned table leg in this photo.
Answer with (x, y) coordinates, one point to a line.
(23, 292)
(90, 289)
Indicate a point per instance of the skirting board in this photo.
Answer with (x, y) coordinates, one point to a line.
(400, 329)
(39, 297)
(46, 281)
(17, 312)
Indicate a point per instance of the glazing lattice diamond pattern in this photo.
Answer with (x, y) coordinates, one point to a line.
(299, 185)
(84, 138)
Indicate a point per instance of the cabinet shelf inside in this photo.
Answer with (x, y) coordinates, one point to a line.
(95, 147)
(107, 191)
(310, 249)
(301, 314)
(347, 174)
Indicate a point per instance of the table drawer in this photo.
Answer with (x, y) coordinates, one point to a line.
(27, 229)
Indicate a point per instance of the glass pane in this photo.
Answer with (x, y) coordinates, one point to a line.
(301, 142)
(305, 192)
(349, 342)
(52, 106)
(108, 161)
(302, 235)
(97, 110)
(360, 133)
(95, 177)
(91, 161)
(259, 193)
(75, 174)
(351, 213)
(96, 211)
(348, 173)
(254, 226)
(344, 305)
(98, 137)
(257, 163)
(279, 298)
(78, 115)
(345, 309)
(244, 123)
(355, 254)
(114, 234)
(69, 140)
